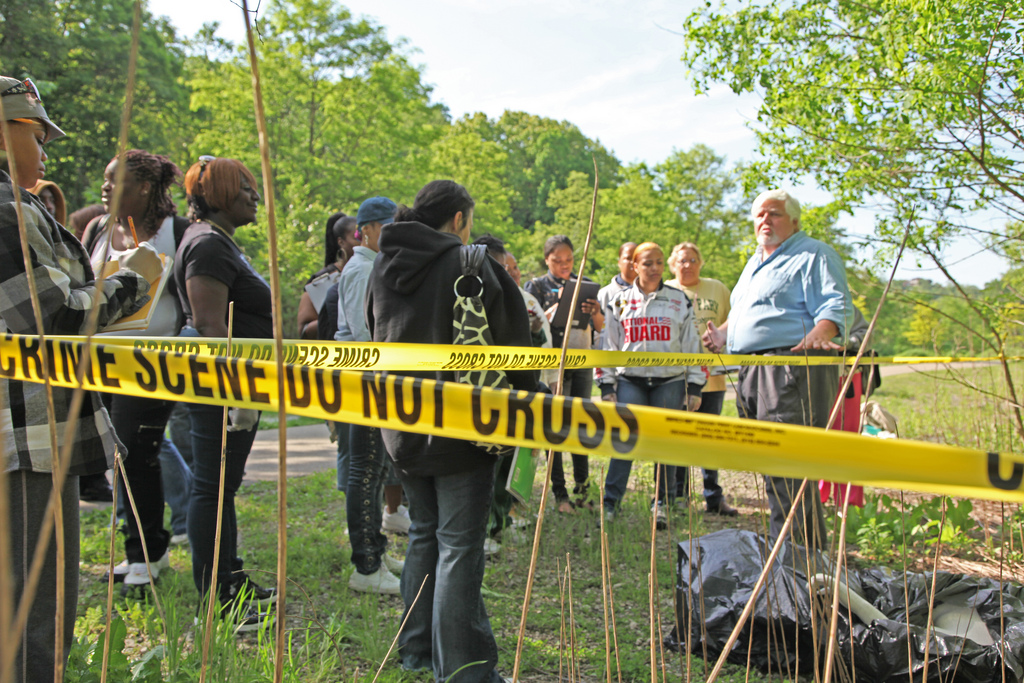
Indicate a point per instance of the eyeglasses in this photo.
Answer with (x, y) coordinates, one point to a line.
(203, 161)
(25, 87)
(688, 260)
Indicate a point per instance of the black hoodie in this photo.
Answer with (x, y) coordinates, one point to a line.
(409, 300)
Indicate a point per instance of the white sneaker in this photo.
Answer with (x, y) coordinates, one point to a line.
(394, 565)
(137, 574)
(397, 521)
(179, 539)
(491, 547)
(120, 571)
(381, 581)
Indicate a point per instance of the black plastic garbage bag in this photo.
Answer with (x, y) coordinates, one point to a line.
(716, 576)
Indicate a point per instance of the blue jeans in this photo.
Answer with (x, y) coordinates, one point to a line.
(179, 427)
(643, 392)
(449, 627)
(177, 481)
(363, 498)
(341, 431)
(710, 404)
(578, 383)
(202, 511)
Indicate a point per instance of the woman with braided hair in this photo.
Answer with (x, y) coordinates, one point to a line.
(139, 422)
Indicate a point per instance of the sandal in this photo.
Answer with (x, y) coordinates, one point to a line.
(565, 507)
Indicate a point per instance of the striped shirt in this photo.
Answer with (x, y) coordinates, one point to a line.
(64, 280)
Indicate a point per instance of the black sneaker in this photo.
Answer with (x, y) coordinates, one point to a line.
(95, 488)
(243, 585)
(245, 616)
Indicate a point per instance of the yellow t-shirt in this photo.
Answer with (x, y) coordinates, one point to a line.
(710, 300)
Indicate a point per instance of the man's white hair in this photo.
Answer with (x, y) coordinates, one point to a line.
(792, 205)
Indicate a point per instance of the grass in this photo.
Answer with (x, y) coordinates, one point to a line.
(338, 635)
(958, 407)
(270, 421)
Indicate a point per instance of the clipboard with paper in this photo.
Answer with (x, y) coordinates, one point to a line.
(580, 320)
(140, 319)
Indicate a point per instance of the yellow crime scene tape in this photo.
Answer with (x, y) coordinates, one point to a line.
(408, 357)
(522, 418)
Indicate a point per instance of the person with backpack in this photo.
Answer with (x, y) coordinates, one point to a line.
(411, 299)
(147, 211)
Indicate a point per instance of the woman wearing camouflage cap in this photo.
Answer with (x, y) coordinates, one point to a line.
(66, 287)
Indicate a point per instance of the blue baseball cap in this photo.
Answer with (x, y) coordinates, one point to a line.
(376, 210)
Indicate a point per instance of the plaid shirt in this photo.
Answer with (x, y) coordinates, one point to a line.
(64, 280)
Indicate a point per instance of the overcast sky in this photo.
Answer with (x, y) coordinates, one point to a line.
(609, 66)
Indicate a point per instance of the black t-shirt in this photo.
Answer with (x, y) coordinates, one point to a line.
(205, 250)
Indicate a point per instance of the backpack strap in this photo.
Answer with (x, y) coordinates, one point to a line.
(96, 227)
(471, 258)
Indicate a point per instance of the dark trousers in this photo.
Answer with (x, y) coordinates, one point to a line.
(367, 469)
(29, 494)
(710, 404)
(202, 511)
(448, 629)
(139, 424)
(578, 383)
(791, 394)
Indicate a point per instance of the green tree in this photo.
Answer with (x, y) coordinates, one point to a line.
(926, 329)
(76, 51)
(713, 213)
(540, 155)
(692, 196)
(478, 165)
(914, 104)
(348, 118)
(912, 108)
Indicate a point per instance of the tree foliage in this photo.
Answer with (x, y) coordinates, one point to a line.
(911, 105)
(77, 52)
(540, 155)
(348, 118)
(692, 196)
(914, 108)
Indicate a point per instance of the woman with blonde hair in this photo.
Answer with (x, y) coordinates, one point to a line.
(710, 299)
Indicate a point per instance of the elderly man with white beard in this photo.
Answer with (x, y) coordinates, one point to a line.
(792, 299)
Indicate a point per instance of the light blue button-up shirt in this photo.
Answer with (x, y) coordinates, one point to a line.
(355, 279)
(775, 303)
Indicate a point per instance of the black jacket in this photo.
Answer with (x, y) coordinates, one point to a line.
(409, 299)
